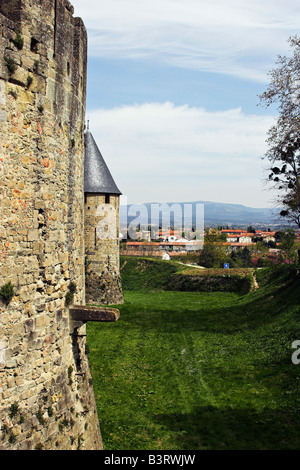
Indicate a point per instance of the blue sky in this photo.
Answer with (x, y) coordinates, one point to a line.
(173, 94)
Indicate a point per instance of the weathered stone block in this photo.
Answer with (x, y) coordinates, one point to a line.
(3, 115)
(32, 235)
(95, 314)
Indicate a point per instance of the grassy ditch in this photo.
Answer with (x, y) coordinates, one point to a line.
(153, 274)
(146, 273)
(200, 370)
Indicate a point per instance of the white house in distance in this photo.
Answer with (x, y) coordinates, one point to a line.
(245, 238)
(238, 236)
(267, 236)
(232, 238)
(242, 236)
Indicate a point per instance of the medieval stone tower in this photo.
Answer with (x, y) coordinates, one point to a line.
(103, 281)
(46, 394)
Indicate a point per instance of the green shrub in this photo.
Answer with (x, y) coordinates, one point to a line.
(12, 438)
(14, 410)
(29, 80)
(7, 292)
(69, 298)
(18, 41)
(70, 293)
(72, 287)
(11, 65)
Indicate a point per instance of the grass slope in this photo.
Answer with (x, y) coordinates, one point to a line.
(189, 370)
(148, 274)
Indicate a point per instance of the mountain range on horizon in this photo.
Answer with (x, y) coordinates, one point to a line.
(215, 213)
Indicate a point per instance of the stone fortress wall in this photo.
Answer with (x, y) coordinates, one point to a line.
(46, 394)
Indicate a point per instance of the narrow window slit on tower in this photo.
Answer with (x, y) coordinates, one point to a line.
(34, 45)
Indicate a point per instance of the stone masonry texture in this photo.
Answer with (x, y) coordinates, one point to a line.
(46, 393)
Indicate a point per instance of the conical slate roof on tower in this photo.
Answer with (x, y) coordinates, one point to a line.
(97, 177)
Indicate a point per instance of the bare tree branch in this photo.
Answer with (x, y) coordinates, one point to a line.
(283, 139)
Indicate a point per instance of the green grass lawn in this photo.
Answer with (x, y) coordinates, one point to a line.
(188, 370)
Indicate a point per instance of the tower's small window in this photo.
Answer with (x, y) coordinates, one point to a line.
(107, 199)
(68, 68)
(34, 45)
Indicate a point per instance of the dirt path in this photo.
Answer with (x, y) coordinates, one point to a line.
(256, 285)
(192, 265)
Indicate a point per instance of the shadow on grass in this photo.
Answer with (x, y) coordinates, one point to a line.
(214, 313)
(212, 428)
(252, 313)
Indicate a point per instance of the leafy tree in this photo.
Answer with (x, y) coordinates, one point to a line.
(287, 244)
(245, 255)
(242, 258)
(261, 247)
(287, 241)
(211, 256)
(283, 140)
(235, 260)
(278, 235)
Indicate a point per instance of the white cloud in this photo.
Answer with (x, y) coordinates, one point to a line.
(234, 37)
(157, 151)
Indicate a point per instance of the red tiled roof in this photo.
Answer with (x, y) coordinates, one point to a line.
(167, 232)
(233, 231)
(188, 242)
(267, 234)
(234, 244)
